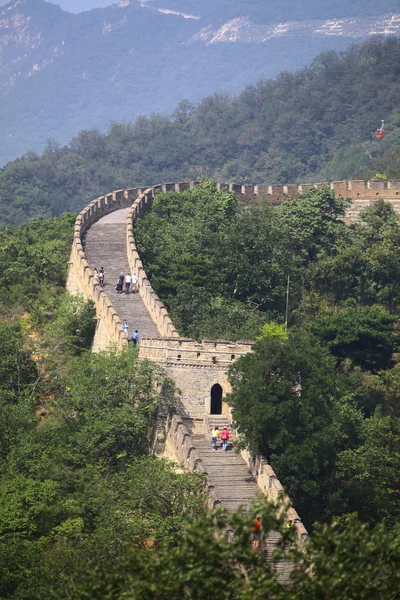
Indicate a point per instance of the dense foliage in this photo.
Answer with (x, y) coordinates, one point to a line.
(314, 124)
(33, 257)
(309, 398)
(77, 479)
(347, 560)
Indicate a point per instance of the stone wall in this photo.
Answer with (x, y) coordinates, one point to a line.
(153, 303)
(267, 480)
(195, 368)
(179, 446)
(81, 278)
(185, 351)
(272, 488)
(362, 193)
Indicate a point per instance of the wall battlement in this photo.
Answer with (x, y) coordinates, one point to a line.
(274, 194)
(181, 351)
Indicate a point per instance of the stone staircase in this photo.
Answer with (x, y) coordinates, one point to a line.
(105, 246)
(233, 483)
(227, 471)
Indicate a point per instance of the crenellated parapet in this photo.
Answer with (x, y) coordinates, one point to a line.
(355, 190)
(186, 351)
(154, 305)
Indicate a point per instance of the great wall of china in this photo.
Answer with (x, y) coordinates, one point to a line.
(103, 236)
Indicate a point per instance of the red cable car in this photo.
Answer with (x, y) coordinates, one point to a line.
(380, 133)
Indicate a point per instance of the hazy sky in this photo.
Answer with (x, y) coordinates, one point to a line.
(77, 5)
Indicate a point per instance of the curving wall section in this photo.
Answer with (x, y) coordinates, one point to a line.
(80, 276)
(178, 354)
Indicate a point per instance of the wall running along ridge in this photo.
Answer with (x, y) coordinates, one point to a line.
(190, 364)
(81, 278)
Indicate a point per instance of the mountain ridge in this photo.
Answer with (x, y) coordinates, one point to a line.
(62, 72)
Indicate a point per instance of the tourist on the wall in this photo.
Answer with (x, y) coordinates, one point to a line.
(135, 337)
(225, 438)
(101, 276)
(127, 283)
(214, 437)
(256, 535)
(96, 275)
(134, 283)
(125, 326)
(120, 283)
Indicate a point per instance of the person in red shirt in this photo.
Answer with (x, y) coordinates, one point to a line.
(256, 533)
(225, 438)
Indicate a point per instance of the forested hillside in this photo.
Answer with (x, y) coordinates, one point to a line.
(78, 484)
(62, 72)
(316, 124)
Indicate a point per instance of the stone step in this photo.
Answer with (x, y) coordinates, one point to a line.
(233, 484)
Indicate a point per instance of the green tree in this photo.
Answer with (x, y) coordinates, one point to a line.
(289, 402)
(365, 335)
(370, 472)
(311, 223)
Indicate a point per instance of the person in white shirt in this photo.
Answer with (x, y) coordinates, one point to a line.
(127, 283)
(134, 283)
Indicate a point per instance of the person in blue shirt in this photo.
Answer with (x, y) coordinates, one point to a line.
(135, 337)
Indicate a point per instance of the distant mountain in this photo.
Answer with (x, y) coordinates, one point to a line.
(317, 124)
(61, 72)
(267, 11)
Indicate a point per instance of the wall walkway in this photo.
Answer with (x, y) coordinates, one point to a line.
(105, 246)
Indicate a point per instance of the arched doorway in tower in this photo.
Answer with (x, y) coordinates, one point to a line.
(216, 400)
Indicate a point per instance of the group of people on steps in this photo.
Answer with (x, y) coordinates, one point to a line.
(99, 276)
(223, 435)
(129, 282)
